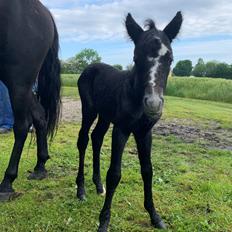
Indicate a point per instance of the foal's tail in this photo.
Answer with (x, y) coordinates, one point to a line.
(49, 85)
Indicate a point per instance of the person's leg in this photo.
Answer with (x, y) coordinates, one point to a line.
(6, 115)
(1, 103)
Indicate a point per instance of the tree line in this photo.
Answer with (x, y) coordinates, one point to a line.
(215, 69)
(212, 69)
(80, 61)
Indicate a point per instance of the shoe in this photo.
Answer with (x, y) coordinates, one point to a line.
(4, 130)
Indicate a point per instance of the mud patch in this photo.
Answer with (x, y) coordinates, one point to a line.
(212, 137)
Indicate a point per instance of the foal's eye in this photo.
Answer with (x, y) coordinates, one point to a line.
(153, 49)
(154, 52)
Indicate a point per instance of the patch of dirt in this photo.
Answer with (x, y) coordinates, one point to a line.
(71, 110)
(214, 136)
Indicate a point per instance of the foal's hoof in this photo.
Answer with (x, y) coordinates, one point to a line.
(102, 229)
(37, 175)
(101, 191)
(81, 194)
(160, 225)
(9, 196)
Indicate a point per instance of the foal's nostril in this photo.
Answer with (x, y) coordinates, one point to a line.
(145, 100)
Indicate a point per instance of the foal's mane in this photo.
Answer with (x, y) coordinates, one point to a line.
(149, 24)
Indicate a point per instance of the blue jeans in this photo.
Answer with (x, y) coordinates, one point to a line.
(6, 114)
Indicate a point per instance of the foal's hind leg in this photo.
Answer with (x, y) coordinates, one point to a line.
(97, 139)
(83, 139)
(40, 124)
(21, 104)
(144, 151)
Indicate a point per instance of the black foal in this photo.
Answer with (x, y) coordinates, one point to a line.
(133, 102)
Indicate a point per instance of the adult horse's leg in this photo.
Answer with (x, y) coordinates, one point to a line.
(97, 139)
(40, 124)
(20, 100)
(83, 139)
(144, 151)
(119, 140)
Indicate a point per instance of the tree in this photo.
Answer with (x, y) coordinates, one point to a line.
(69, 66)
(118, 66)
(223, 70)
(210, 68)
(85, 58)
(199, 70)
(183, 68)
(79, 62)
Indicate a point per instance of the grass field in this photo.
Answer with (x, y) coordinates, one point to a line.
(200, 88)
(192, 183)
(187, 87)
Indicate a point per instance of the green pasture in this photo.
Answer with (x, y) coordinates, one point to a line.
(192, 183)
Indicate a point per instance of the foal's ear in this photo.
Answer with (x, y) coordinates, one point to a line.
(133, 29)
(173, 28)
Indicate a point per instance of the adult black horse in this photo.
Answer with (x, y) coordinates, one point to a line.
(133, 102)
(29, 50)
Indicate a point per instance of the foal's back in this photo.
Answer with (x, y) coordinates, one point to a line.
(103, 88)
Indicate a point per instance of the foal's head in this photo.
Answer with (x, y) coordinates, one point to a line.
(153, 58)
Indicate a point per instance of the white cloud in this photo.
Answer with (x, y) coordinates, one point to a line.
(104, 19)
(101, 21)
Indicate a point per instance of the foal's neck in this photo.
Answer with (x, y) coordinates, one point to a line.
(138, 81)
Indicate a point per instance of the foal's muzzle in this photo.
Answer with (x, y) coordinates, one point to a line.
(153, 105)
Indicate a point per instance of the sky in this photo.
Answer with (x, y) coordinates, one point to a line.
(206, 32)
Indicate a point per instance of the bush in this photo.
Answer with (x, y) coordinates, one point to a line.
(183, 68)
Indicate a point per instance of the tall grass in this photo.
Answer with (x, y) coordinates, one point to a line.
(69, 80)
(200, 88)
(187, 87)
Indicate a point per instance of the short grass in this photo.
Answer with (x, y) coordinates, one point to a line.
(192, 185)
(70, 92)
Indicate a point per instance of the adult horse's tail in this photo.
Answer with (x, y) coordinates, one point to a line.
(49, 84)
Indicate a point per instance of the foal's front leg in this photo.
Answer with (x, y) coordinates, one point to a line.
(119, 140)
(144, 151)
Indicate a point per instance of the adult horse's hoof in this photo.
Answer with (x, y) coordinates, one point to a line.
(81, 194)
(9, 196)
(37, 175)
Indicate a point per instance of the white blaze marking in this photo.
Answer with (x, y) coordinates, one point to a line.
(153, 71)
(154, 99)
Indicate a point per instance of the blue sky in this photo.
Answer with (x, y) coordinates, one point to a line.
(206, 31)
